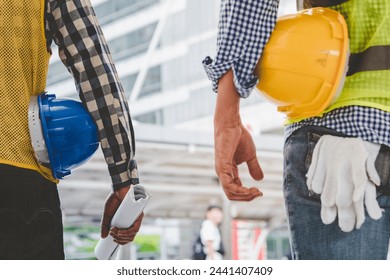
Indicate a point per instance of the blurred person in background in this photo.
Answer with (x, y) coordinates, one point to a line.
(30, 214)
(210, 234)
(208, 244)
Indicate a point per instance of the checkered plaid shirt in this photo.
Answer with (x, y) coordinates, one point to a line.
(244, 29)
(73, 26)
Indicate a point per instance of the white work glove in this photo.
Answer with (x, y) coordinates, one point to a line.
(343, 173)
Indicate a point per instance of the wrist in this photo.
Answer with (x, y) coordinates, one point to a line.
(226, 119)
(121, 192)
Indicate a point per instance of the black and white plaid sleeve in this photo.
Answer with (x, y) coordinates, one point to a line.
(244, 28)
(73, 26)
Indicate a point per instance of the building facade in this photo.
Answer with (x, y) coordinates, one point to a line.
(158, 46)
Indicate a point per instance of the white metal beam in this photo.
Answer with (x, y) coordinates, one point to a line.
(151, 49)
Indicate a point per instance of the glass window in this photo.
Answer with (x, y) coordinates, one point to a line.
(151, 85)
(152, 82)
(114, 9)
(128, 84)
(132, 43)
(151, 118)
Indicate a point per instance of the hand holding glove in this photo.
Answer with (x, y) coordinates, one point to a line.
(343, 172)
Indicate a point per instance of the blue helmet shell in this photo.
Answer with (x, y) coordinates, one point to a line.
(70, 134)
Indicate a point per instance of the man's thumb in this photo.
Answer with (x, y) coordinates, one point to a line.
(105, 226)
(110, 207)
(255, 169)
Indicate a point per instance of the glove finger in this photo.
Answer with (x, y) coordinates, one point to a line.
(373, 150)
(325, 177)
(330, 190)
(372, 206)
(345, 189)
(347, 218)
(328, 214)
(314, 171)
(359, 173)
(372, 173)
(359, 210)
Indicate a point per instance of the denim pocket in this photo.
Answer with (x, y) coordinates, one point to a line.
(312, 139)
(23, 237)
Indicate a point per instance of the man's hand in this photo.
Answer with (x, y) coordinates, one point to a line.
(233, 144)
(121, 236)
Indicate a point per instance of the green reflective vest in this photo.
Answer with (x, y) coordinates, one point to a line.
(368, 77)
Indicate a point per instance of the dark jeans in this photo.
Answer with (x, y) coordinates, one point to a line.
(311, 239)
(30, 216)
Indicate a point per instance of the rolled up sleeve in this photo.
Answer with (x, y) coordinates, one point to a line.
(243, 31)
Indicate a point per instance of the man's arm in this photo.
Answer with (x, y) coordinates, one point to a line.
(84, 51)
(73, 26)
(244, 29)
(233, 143)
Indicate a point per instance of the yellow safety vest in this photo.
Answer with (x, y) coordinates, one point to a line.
(24, 60)
(368, 77)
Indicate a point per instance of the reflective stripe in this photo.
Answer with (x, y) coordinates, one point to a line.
(374, 58)
(368, 78)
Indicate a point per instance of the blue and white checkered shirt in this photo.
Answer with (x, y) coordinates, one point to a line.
(244, 29)
(370, 124)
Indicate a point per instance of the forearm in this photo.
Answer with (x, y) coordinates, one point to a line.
(233, 144)
(227, 110)
(84, 51)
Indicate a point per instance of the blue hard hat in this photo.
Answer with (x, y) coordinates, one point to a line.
(69, 133)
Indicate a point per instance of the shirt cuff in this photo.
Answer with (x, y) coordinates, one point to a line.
(123, 174)
(215, 71)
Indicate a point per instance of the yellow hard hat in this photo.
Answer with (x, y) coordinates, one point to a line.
(304, 64)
